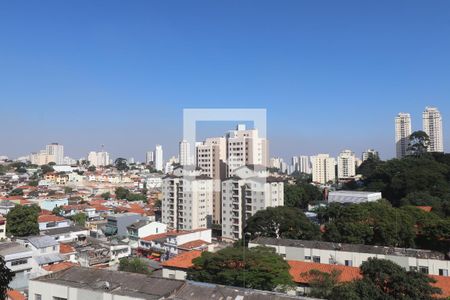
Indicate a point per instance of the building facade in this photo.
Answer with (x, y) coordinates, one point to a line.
(323, 168)
(432, 125)
(346, 162)
(402, 133)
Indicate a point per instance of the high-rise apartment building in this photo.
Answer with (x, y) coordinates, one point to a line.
(57, 150)
(98, 159)
(187, 202)
(305, 164)
(370, 153)
(295, 164)
(149, 157)
(346, 162)
(211, 159)
(402, 133)
(159, 158)
(244, 194)
(432, 125)
(245, 147)
(323, 168)
(185, 153)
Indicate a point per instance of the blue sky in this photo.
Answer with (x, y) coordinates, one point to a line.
(331, 74)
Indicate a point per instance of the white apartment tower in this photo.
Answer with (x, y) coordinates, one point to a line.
(323, 168)
(57, 150)
(346, 164)
(245, 147)
(187, 200)
(402, 133)
(98, 159)
(432, 125)
(149, 157)
(370, 153)
(184, 153)
(211, 158)
(159, 158)
(243, 195)
(305, 164)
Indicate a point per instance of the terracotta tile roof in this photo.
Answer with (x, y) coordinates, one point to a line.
(154, 237)
(298, 268)
(50, 218)
(66, 248)
(182, 261)
(45, 212)
(59, 267)
(15, 295)
(442, 282)
(425, 208)
(193, 244)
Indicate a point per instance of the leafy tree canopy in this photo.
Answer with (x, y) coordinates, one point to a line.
(134, 265)
(257, 268)
(23, 220)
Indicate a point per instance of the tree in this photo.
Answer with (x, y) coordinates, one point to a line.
(16, 192)
(134, 265)
(68, 190)
(281, 222)
(106, 195)
(47, 169)
(122, 193)
(92, 169)
(121, 164)
(257, 268)
(322, 283)
(136, 197)
(57, 211)
(6, 276)
(301, 194)
(418, 143)
(80, 218)
(23, 220)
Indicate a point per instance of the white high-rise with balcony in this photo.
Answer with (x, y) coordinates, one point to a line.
(149, 157)
(346, 164)
(323, 168)
(402, 133)
(305, 164)
(159, 158)
(432, 125)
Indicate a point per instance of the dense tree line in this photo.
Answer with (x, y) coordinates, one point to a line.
(375, 223)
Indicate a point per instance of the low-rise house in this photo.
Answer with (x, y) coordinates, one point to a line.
(6, 206)
(353, 196)
(45, 252)
(67, 234)
(18, 259)
(117, 224)
(424, 261)
(167, 245)
(52, 221)
(177, 267)
(50, 203)
(142, 229)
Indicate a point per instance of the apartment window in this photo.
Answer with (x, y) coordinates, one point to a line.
(443, 272)
(316, 259)
(19, 262)
(349, 263)
(59, 298)
(423, 269)
(37, 296)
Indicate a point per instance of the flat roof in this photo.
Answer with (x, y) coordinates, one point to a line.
(12, 248)
(359, 248)
(114, 282)
(355, 193)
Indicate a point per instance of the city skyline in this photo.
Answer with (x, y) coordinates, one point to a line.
(118, 78)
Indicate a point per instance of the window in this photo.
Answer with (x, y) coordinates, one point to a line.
(307, 257)
(37, 296)
(19, 262)
(348, 263)
(443, 272)
(316, 259)
(423, 269)
(59, 298)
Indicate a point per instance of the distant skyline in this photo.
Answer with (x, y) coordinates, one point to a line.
(332, 75)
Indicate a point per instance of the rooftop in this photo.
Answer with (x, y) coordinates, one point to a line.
(299, 270)
(405, 252)
(182, 261)
(12, 248)
(42, 241)
(114, 282)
